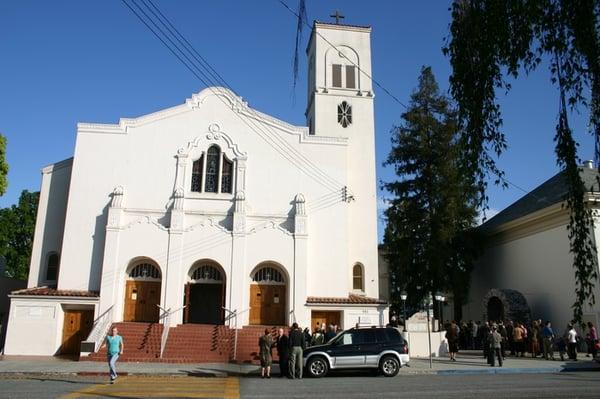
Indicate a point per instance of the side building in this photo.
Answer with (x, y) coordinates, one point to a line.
(526, 271)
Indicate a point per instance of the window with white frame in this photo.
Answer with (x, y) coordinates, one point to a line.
(358, 278)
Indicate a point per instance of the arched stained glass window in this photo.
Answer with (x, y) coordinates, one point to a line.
(206, 272)
(52, 267)
(226, 176)
(212, 170)
(145, 271)
(268, 275)
(357, 278)
(197, 174)
(344, 114)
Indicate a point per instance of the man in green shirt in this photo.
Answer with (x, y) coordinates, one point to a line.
(114, 344)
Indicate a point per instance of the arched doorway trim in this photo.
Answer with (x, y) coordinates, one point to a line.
(514, 304)
(142, 290)
(268, 294)
(205, 293)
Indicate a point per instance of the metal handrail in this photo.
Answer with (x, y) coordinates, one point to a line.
(166, 318)
(100, 328)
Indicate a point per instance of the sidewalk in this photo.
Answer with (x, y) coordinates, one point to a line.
(467, 363)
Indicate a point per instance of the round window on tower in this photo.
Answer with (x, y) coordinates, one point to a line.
(344, 114)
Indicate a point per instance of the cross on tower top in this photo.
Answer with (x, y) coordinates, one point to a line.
(337, 17)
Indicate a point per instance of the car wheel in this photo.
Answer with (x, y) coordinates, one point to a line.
(317, 367)
(389, 366)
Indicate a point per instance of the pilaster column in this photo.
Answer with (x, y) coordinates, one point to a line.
(300, 313)
(173, 274)
(110, 270)
(238, 298)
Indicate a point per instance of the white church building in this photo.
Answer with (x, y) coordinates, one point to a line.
(210, 207)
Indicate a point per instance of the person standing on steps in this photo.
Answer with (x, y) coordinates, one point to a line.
(495, 346)
(114, 344)
(297, 345)
(265, 343)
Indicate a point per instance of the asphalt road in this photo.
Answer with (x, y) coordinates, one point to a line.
(513, 386)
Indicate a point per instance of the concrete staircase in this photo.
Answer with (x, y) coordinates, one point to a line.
(188, 343)
(141, 342)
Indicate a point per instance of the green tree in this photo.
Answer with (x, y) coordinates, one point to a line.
(3, 166)
(17, 225)
(433, 208)
(491, 40)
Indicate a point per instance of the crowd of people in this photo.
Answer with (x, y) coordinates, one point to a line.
(290, 348)
(499, 339)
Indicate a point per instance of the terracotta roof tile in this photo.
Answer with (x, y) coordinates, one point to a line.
(47, 291)
(351, 299)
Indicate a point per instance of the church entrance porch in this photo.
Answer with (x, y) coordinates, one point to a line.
(142, 293)
(268, 297)
(205, 294)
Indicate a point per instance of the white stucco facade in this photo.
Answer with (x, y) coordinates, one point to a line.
(302, 200)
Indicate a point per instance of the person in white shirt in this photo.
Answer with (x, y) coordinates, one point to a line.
(572, 342)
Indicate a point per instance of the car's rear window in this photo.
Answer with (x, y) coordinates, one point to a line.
(389, 335)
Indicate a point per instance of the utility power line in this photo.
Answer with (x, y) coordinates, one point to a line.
(182, 49)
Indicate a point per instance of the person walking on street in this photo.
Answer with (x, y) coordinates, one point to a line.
(265, 343)
(547, 341)
(296, 345)
(115, 346)
(572, 342)
(283, 351)
(495, 346)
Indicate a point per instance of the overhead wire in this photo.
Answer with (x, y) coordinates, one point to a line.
(205, 69)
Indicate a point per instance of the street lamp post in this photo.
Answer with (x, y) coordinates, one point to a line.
(428, 304)
(403, 296)
(440, 298)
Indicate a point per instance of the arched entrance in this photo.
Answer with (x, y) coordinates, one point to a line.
(495, 309)
(268, 296)
(142, 292)
(505, 304)
(205, 294)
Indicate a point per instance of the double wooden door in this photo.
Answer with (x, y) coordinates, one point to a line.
(318, 318)
(267, 304)
(76, 327)
(141, 300)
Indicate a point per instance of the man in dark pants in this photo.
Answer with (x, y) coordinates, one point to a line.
(296, 345)
(283, 351)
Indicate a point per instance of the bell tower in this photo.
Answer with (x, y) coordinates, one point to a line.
(340, 104)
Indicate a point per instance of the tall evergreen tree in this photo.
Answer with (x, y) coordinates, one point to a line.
(433, 206)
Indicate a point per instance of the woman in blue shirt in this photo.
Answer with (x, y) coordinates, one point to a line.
(114, 344)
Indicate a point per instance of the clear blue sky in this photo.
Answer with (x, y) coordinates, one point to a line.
(63, 62)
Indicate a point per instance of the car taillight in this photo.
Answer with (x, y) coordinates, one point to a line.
(405, 348)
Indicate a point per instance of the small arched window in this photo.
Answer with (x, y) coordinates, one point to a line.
(344, 114)
(52, 267)
(212, 170)
(268, 275)
(206, 273)
(358, 278)
(144, 271)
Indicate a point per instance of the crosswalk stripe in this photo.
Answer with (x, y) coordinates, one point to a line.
(190, 387)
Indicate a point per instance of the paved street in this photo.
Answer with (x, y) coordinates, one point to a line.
(341, 385)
